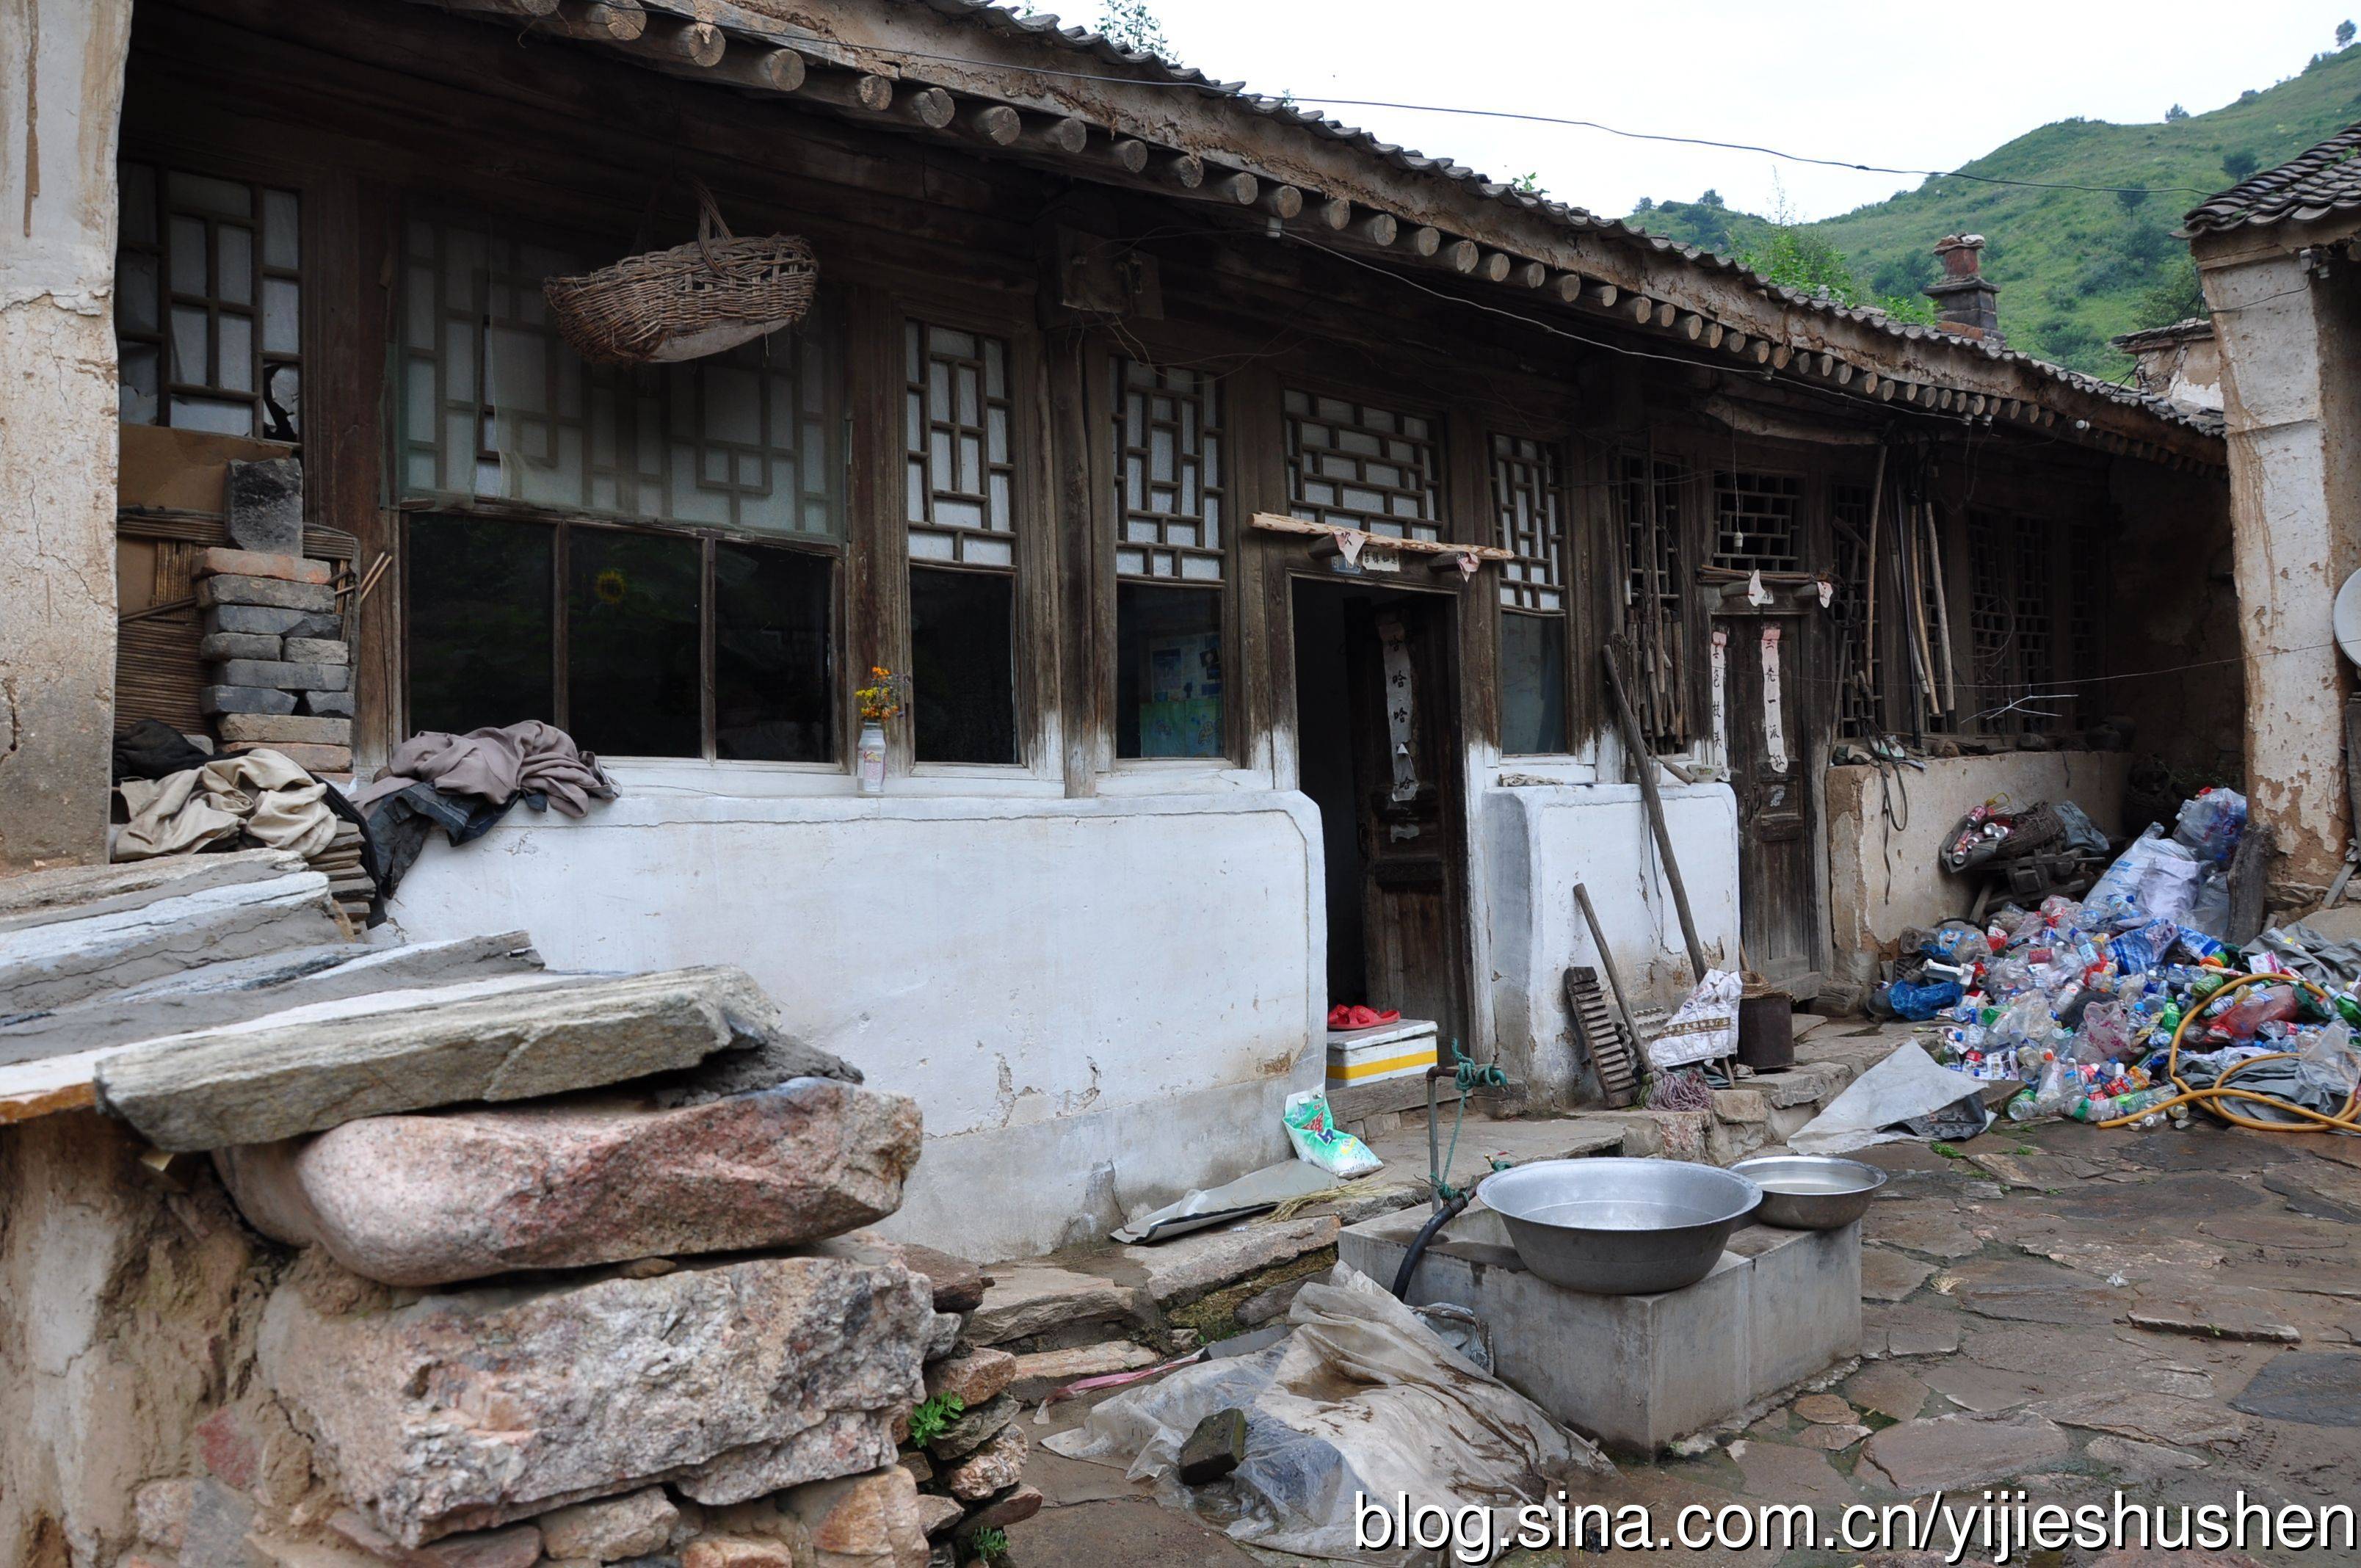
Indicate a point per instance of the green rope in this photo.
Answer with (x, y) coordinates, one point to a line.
(1468, 1076)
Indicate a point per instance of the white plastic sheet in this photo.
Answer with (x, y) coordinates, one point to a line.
(1359, 1398)
(1904, 1086)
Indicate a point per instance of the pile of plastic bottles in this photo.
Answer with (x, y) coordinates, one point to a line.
(2079, 1001)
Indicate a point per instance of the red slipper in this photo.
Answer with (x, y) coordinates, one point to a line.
(1370, 1018)
(1340, 1016)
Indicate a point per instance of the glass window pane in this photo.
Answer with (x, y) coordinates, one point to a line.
(774, 655)
(479, 623)
(188, 247)
(226, 196)
(281, 238)
(192, 359)
(138, 393)
(1168, 689)
(233, 263)
(963, 665)
(1532, 684)
(632, 652)
(280, 323)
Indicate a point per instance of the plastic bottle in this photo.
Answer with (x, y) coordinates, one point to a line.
(2249, 1012)
(2109, 1108)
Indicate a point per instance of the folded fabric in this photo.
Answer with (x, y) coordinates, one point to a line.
(259, 793)
(495, 765)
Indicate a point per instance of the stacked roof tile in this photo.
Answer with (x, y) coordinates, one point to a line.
(2312, 184)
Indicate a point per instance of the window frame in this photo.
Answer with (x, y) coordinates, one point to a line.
(837, 552)
(1556, 448)
(1104, 365)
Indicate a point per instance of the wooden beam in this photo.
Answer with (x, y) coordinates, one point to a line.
(1714, 333)
(929, 106)
(1130, 154)
(1666, 311)
(1331, 212)
(1782, 357)
(1528, 274)
(1329, 532)
(1185, 170)
(1734, 342)
(995, 125)
(848, 89)
(1461, 255)
(1238, 188)
(1425, 241)
(1493, 267)
(1690, 325)
(1603, 295)
(597, 21)
(1068, 134)
(1379, 228)
(1641, 309)
(1281, 200)
(520, 8)
(698, 44)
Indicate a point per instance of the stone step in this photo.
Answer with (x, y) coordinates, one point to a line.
(513, 1038)
(59, 962)
(1029, 1299)
(75, 892)
(1042, 1373)
(1178, 1271)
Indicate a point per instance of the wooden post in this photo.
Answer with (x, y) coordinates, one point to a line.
(1643, 763)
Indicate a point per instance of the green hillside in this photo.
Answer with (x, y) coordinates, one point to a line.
(2075, 267)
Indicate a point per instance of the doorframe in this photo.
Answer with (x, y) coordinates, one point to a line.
(1458, 763)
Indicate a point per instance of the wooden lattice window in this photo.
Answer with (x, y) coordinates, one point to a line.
(1859, 667)
(495, 404)
(1655, 598)
(1362, 467)
(2085, 617)
(1992, 620)
(2036, 637)
(1529, 510)
(1528, 502)
(1169, 474)
(956, 432)
(208, 304)
(1755, 522)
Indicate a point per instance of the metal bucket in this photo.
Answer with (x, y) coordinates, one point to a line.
(1620, 1227)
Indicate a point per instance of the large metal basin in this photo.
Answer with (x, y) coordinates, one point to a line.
(1811, 1192)
(1620, 1227)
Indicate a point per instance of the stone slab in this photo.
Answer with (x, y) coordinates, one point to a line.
(263, 504)
(264, 620)
(1181, 1270)
(66, 961)
(513, 1038)
(216, 993)
(472, 1408)
(633, 1526)
(333, 704)
(319, 651)
(276, 729)
(220, 646)
(214, 701)
(282, 674)
(216, 561)
(1042, 1373)
(272, 593)
(75, 892)
(1028, 1299)
(1959, 1452)
(583, 1180)
(313, 759)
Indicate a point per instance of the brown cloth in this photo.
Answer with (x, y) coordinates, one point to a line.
(495, 766)
(259, 793)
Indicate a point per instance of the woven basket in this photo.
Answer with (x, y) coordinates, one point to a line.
(711, 294)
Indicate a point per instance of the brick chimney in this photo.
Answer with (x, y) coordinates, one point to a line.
(1964, 298)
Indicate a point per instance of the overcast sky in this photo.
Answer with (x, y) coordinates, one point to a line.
(1897, 84)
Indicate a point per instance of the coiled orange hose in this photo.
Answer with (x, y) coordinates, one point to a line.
(2213, 1096)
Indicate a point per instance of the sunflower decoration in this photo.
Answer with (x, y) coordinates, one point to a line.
(885, 697)
(610, 585)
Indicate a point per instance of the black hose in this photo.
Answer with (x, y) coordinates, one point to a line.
(1451, 1208)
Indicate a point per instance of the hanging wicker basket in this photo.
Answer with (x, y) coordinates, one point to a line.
(711, 294)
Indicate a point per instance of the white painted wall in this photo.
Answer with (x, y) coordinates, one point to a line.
(1094, 1002)
(1534, 843)
(1868, 904)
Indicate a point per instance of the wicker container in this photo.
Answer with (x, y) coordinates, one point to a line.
(711, 294)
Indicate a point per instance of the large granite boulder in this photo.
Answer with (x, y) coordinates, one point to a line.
(430, 1199)
(472, 1408)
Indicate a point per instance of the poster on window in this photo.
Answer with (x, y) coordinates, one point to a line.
(1180, 713)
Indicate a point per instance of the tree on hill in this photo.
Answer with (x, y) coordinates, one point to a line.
(2175, 114)
(2175, 296)
(2237, 163)
(2344, 34)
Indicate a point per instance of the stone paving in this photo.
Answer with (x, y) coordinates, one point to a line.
(2057, 1309)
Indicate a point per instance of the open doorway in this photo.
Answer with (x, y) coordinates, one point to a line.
(1378, 737)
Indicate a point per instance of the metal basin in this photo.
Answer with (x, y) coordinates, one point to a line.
(1811, 1192)
(1620, 1227)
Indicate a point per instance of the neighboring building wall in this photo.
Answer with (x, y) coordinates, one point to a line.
(2172, 607)
(1882, 878)
(2291, 378)
(62, 82)
(1535, 842)
(1096, 1002)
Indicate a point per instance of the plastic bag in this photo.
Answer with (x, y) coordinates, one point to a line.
(1361, 1396)
(1312, 1128)
(2210, 822)
(1706, 1027)
(2156, 878)
(2082, 835)
(2330, 1062)
(1920, 1002)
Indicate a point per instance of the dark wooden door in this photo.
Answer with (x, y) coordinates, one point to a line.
(1772, 729)
(1404, 742)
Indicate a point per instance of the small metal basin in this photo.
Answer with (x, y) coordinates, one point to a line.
(1811, 1192)
(1620, 1227)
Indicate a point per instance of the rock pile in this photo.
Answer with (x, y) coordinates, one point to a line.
(280, 667)
(568, 1270)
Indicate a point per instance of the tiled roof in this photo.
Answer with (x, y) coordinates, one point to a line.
(1149, 68)
(2310, 185)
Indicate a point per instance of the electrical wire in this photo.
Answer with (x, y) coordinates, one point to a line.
(1217, 90)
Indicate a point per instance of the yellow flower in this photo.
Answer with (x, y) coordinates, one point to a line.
(610, 585)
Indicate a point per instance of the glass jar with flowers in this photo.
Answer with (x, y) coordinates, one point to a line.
(885, 697)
